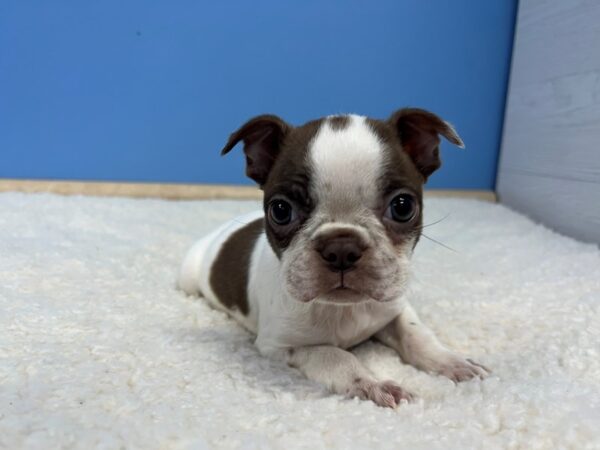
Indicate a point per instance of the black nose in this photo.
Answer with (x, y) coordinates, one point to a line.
(341, 253)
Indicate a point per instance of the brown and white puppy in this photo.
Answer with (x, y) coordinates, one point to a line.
(326, 265)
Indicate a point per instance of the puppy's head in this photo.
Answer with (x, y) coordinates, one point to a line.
(343, 198)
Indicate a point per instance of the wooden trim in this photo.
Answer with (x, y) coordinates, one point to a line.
(119, 189)
(487, 196)
(178, 191)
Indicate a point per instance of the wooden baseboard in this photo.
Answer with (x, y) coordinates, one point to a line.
(119, 189)
(177, 191)
(487, 196)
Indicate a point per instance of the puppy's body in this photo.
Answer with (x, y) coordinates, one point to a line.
(326, 265)
(279, 321)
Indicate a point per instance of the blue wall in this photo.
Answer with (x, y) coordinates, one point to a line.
(149, 91)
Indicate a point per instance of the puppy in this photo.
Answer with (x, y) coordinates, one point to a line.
(326, 265)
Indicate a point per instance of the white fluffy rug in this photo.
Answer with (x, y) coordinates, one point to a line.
(98, 349)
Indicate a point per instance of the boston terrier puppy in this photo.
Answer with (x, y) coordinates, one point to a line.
(325, 266)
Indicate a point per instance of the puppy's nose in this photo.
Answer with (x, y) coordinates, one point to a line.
(341, 253)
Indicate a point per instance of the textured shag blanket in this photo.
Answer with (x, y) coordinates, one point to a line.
(99, 350)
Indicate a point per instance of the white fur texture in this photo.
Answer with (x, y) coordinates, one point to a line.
(97, 348)
(346, 164)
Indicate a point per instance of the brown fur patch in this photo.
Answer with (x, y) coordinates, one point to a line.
(290, 176)
(399, 172)
(338, 122)
(229, 273)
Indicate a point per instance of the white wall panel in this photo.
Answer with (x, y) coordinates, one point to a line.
(550, 158)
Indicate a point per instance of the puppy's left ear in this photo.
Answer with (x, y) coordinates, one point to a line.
(262, 136)
(419, 132)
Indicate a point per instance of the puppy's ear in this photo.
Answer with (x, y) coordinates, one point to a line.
(262, 138)
(419, 132)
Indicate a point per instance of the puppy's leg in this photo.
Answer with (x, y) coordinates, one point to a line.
(419, 347)
(343, 373)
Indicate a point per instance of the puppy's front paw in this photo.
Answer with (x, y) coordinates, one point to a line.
(458, 368)
(382, 393)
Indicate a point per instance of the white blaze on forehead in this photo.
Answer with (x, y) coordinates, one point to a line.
(346, 163)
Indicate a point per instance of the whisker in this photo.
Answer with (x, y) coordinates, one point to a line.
(240, 221)
(439, 243)
(436, 222)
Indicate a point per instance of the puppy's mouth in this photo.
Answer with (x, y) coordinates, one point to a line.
(343, 293)
(358, 285)
(342, 296)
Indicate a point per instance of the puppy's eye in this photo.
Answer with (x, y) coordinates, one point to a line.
(402, 208)
(281, 212)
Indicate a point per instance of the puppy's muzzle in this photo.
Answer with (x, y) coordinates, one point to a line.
(341, 250)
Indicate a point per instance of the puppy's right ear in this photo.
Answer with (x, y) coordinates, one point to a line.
(262, 138)
(419, 132)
